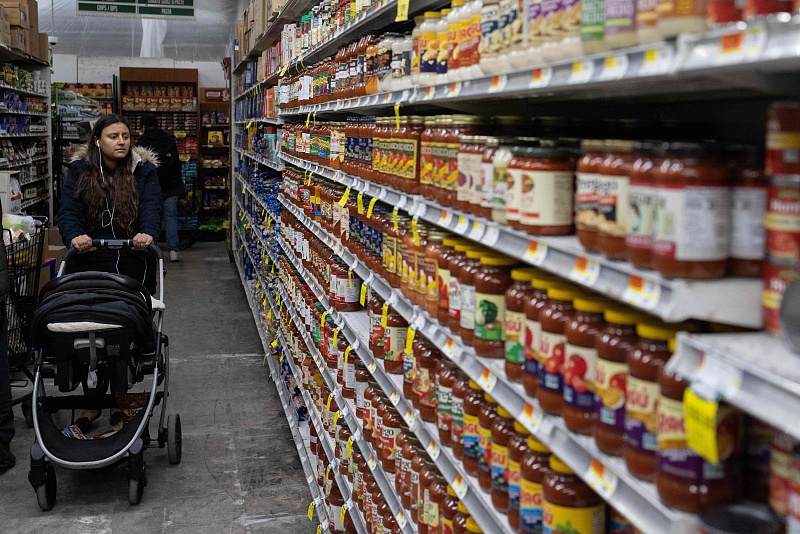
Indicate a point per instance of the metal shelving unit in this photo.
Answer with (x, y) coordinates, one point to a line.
(259, 159)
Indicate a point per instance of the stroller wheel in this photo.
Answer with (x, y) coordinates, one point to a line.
(136, 488)
(27, 413)
(174, 439)
(46, 493)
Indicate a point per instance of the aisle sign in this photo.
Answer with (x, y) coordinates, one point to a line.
(152, 9)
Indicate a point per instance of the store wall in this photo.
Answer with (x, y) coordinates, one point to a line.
(70, 68)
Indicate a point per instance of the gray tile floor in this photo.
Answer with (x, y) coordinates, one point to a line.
(240, 472)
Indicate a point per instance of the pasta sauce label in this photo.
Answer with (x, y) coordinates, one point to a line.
(560, 519)
(471, 440)
(579, 372)
(512, 333)
(610, 386)
(489, 316)
(552, 350)
(640, 414)
(530, 507)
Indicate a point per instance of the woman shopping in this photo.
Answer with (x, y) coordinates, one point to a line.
(111, 192)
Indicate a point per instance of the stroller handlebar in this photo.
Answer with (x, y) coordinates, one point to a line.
(115, 244)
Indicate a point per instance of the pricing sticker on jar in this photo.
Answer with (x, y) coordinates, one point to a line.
(454, 90)
(445, 218)
(498, 83)
(487, 381)
(531, 417)
(541, 78)
(582, 72)
(462, 226)
(477, 231)
(642, 293)
(585, 271)
(433, 450)
(535, 253)
(491, 236)
(601, 479)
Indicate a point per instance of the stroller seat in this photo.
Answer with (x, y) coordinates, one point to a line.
(75, 327)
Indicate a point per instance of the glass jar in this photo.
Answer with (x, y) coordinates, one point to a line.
(535, 463)
(554, 318)
(502, 433)
(613, 198)
(460, 390)
(481, 201)
(394, 341)
(391, 429)
(498, 195)
(568, 498)
(445, 378)
(455, 264)
(426, 390)
(587, 178)
(517, 446)
(581, 364)
(548, 210)
(450, 184)
(466, 282)
(518, 293)
(748, 207)
(641, 218)
(375, 314)
(411, 372)
(611, 376)
(426, 143)
(449, 511)
(533, 330)
(433, 257)
(447, 253)
(491, 282)
(473, 400)
(470, 173)
(487, 415)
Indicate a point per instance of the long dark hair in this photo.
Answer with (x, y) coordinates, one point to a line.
(118, 187)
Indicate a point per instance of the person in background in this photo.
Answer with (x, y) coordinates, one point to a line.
(111, 192)
(169, 176)
(7, 458)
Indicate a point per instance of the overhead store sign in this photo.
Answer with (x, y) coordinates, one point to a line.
(154, 9)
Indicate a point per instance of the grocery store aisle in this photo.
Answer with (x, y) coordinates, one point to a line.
(240, 472)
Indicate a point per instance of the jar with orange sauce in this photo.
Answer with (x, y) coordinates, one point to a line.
(470, 172)
(587, 176)
(426, 162)
(481, 200)
(613, 188)
(429, 285)
(466, 281)
(491, 282)
(473, 400)
(547, 200)
(641, 218)
(554, 318)
(443, 279)
(533, 330)
(516, 296)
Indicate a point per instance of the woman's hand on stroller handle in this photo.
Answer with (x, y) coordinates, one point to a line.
(83, 243)
(139, 242)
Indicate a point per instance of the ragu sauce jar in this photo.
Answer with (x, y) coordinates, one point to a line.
(491, 282)
(554, 317)
(533, 330)
(516, 296)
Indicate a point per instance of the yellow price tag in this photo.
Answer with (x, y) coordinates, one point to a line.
(308, 119)
(345, 197)
(322, 319)
(273, 268)
(410, 339)
(269, 314)
(402, 10)
(394, 220)
(285, 68)
(311, 511)
(335, 336)
(701, 424)
(330, 399)
(342, 515)
(319, 529)
(350, 447)
(274, 343)
(360, 204)
(415, 232)
(363, 298)
(327, 474)
(397, 115)
(347, 354)
(336, 417)
(370, 207)
(383, 315)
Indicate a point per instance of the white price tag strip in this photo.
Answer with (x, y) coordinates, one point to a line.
(656, 61)
(445, 218)
(614, 67)
(448, 348)
(394, 398)
(401, 519)
(430, 92)
(408, 417)
(718, 375)
(498, 83)
(491, 236)
(372, 366)
(462, 226)
(585, 271)
(642, 293)
(433, 450)
(459, 486)
(372, 462)
(477, 231)
(541, 78)
(536, 253)
(601, 479)
(454, 90)
(487, 380)
(531, 418)
(582, 72)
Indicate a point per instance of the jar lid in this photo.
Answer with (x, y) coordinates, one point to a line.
(687, 149)
(473, 527)
(546, 281)
(465, 119)
(497, 260)
(519, 429)
(620, 316)
(451, 492)
(590, 305)
(537, 446)
(562, 293)
(488, 398)
(475, 254)
(655, 331)
(524, 275)
(472, 139)
(593, 145)
(457, 3)
(619, 145)
(560, 467)
(671, 344)
(502, 412)
(451, 241)
(463, 509)
(474, 385)
(444, 12)
(465, 246)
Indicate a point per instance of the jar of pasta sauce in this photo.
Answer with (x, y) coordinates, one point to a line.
(748, 207)
(613, 198)
(535, 463)
(587, 177)
(641, 217)
(491, 282)
(554, 318)
(518, 293)
(568, 499)
(533, 330)
(548, 183)
(782, 220)
(783, 139)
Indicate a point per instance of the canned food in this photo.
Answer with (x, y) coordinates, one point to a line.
(783, 139)
(776, 278)
(782, 221)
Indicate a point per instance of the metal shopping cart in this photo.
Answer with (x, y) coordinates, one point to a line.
(24, 266)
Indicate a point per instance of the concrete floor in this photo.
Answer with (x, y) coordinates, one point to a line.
(240, 472)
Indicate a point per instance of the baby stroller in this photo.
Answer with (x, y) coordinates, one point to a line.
(95, 330)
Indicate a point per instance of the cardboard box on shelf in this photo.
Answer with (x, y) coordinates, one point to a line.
(10, 193)
(5, 37)
(16, 13)
(19, 39)
(33, 15)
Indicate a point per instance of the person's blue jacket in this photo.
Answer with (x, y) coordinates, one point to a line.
(73, 221)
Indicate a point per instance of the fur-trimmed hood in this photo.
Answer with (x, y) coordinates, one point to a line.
(141, 155)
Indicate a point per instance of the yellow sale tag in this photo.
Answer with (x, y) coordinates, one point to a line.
(330, 398)
(363, 297)
(274, 343)
(327, 474)
(308, 119)
(370, 207)
(415, 232)
(402, 10)
(347, 354)
(410, 339)
(394, 220)
(322, 319)
(269, 314)
(336, 417)
(311, 511)
(342, 515)
(335, 336)
(345, 196)
(701, 424)
(360, 204)
(350, 447)
(350, 278)
(383, 315)
(319, 529)
(285, 68)
(397, 115)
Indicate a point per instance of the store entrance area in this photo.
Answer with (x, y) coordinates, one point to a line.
(239, 473)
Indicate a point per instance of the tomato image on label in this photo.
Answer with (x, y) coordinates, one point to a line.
(555, 362)
(575, 372)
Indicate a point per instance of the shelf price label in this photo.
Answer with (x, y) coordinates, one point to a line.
(462, 226)
(459, 486)
(394, 397)
(585, 271)
(477, 231)
(656, 60)
(642, 293)
(498, 83)
(402, 10)
(487, 381)
(448, 349)
(401, 519)
(433, 450)
(445, 218)
(582, 72)
(408, 417)
(372, 366)
(454, 90)
(430, 92)
(372, 462)
(371, 207)
(601, 479)
(491, 236)
(541, 78)
(345, 197)
(536, 253)
(614, 67)
(531, 417)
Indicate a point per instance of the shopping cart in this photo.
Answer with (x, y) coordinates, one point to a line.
(24, 265)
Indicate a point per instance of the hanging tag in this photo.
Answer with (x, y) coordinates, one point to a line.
(415, 232)
(370, 207)
(311, 511)
(601, 479)
(336, 417)
(319, 529)
(322, 319)
(345, 197)
(701, 423)
(269, 314)
(394, 219)
(350, 278)
(285, 68)
(394, 398)
(402, 10)
(487, 380)
(383, 315)
(308, 119)
(397, 115)
(360, 204)
(327, 474)
(315, 118)
(531, 417)
(274, 343)
(410, 340)
(335, 336)
(350, 447)
(330, 399)
(342, 515)
(433, 450)
(347, 354)
(363, 298)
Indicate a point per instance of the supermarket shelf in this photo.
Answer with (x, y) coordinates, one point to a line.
(34, 201)
(27, 113)
(671, 300)
(692, 65)
(226, 125)
(25, 92)
(308, 469)
(215, 146)
(754, 371)
(266, 120)
(8, 54)
(32, 180)
(32, 134)
(29, 161)
(259, 159)
(466, 486)
(635, 499)
(347, 411)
